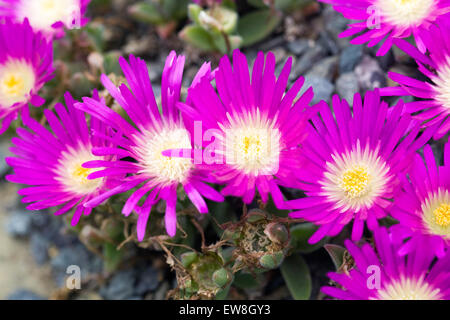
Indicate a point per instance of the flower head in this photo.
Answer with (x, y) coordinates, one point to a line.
(423, 207)
(255, 127)
(25, 66)
(384, 274)
(51, 161)
(48, 16)
(434, 104)
(353, 159)
(158, 176)
(388, 20)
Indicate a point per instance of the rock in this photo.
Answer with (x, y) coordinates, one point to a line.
(155, 70)
(311, 56)
(335, 23)
(147, 281)
(120, 286)
(280, 55)
(349, 58)
(19, 224)
(323, 89)
(369, 74)
(325, 68)
(328, 42)
(162, 291)
(4, 153)
(139, 46)
(77, 255)
(346, 86)
(272, 43)
(39, 248)
(23, 294)
(299, 47)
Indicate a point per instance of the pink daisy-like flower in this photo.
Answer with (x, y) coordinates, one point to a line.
(388, 20)
(50, 162)
(353, 162)
(159, 176)
(255, 127)
(26, 60)
(423, 207)
(434, 106)
(48, 16)
(384, 274)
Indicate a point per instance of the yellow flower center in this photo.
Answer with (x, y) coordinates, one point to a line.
(405, 13)
(409, 289)
(81, 173)
(17, 79)
(42, 14)
(442, 215)
(13, 84)
(73, 176)
(164, 169)
(436, 212)
(355, 181)
(252, 144)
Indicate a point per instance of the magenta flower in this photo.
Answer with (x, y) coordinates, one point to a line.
(255, 127)
(50, 162)
(26, 60)
(159, 176)
(423, 207)
(388, 20)
(383, 274)
(434, 106)
(48, 16)
(353, 162)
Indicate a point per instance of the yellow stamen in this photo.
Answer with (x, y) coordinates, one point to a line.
(442, 215)
(13, 84)
(354, 181)
(81, 173)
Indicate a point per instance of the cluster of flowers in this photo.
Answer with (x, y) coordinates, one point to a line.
(355, 164)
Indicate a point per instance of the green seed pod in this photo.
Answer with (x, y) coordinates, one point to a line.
(190, 287)
(188, 258)
(271, 261)
(256, 215)
(221, 277)
(277, 233)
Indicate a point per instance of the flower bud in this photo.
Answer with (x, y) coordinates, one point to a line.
(188, 258)
(271, 260)
(277, 233)
(221, 277)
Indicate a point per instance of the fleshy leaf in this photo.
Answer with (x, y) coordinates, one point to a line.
(296, 274)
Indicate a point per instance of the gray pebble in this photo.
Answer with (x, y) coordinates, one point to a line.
(19, 224)
(349, 58)
(346, 86)
(325, 68)
(299, 47)
(323, 89)
(23, 294)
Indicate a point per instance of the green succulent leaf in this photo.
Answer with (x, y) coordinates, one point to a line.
(112, 257)
(336, 253)
(198, 37)
(193, 12)
(147, 12)
(300, 234)
(257, 25)
(296, 274)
